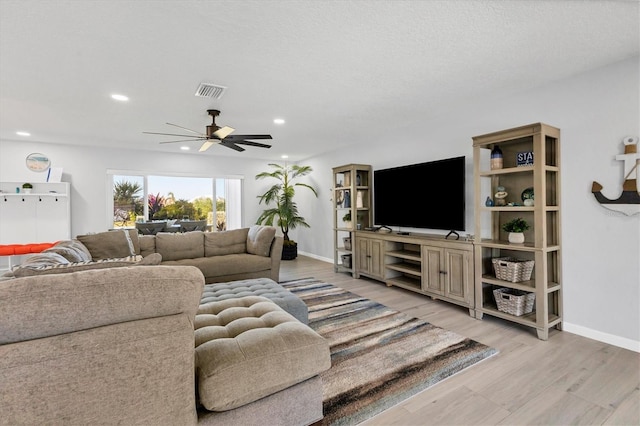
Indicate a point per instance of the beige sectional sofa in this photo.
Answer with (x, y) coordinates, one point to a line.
(237, 254)
(117, 346)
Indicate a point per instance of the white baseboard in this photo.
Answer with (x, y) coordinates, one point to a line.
(622, 342)
(324, 259)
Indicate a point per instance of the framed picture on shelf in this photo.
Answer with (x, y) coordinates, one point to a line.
(339, 180)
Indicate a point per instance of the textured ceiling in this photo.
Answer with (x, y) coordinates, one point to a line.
(337, 71)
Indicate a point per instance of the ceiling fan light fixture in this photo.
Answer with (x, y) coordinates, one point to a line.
(210, 90)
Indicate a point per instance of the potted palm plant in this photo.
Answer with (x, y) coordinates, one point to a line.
(284, 210)
(516, 228)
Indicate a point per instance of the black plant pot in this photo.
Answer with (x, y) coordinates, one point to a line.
(289, 251)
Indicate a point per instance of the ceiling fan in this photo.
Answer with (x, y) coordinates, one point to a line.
(216, 134)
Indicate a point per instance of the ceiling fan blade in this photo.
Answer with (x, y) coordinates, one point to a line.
(234, 138)
(183, 140)
(206, 145)
(223, 132)
(188, 130)
(258, 144)
(232, 146)
(173, 134)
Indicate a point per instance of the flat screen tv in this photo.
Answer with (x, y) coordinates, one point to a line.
(425, 195)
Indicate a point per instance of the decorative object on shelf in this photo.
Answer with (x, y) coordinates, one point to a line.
(27, 187)
(347, 243)
(347, 220)
(515, 228)
(339, 198)
(37, 162)
(527, 197)
(629, 200)
(488, 202)
(514, 302)
(285, 213)
(359, 202)
(524, 158)
(496, 158)
(346, 260)
(512, 269)
(347, 200)
(500, 196)
(358, 179)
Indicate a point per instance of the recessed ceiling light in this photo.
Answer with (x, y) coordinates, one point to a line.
(23, 133)
(118, 97)
(185, 148)
(285, 156)
(279, 120)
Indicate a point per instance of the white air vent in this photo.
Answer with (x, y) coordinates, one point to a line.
(209, 90)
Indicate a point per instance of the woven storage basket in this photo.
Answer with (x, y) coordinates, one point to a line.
(511, 269)
(514, 302)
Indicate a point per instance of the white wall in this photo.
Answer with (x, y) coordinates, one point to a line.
(595, 110)
(86, 170)
(601, 249)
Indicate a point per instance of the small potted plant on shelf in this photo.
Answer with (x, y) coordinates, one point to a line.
(27, 187)
(516, 228)
(347, 220)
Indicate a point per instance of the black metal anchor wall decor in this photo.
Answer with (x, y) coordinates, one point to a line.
(629, 200)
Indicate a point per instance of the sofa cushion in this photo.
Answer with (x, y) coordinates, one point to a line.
(111, 244)
(259, 239)
(225, 265)
(248, 348)
(147, 244)
(174, 246)
(65, 268)
(225, 242)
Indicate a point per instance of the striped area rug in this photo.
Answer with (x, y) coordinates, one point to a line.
(379, 356)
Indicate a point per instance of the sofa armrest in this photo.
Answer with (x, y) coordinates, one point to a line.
(48, 305)
(276, 257)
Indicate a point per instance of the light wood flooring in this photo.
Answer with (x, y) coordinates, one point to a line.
(567, 380)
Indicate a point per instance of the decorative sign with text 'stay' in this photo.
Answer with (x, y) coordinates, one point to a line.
(524, 158)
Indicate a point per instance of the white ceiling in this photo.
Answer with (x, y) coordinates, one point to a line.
(338, 72)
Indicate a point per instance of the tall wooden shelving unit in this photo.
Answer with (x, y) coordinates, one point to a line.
(351, 194)
(542, 241)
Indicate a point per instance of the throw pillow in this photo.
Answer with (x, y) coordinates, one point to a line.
(259, 240)
(66, 268)
(76, 245)
(152, 259)
(67, 252)
(109, 244)
(41, 260)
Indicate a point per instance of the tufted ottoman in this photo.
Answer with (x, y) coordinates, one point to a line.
(249, 348)
(264, 287)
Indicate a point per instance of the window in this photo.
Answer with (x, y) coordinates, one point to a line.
(139, 197)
